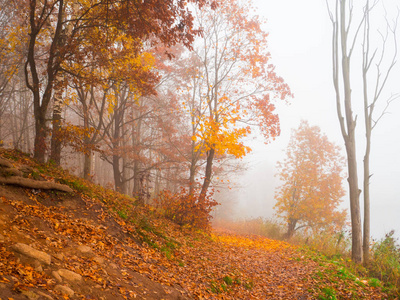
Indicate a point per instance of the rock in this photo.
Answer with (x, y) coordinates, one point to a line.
(84, 249)
(64, 290)
(56, 276)
(99, 260)
(39, 269)
(114, 266)
(59, 256)
(45, 295)
(69, 275)
(30, 295)
(33, 253)
(38, 266)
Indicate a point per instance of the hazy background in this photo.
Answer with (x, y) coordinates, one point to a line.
(300, 44)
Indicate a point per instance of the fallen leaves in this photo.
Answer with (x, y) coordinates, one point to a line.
(216, 265)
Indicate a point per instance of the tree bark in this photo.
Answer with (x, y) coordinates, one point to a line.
(40, 138)
(291, 228)
(117, 173)
(192, 174)
(34, 184)
(355, 213)
(40, 103)
(367, 220)
(207, 177)
(350, 143)
(347, 123)
(87, 166)
(56, 138)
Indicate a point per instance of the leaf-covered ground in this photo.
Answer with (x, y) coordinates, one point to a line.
(135, 253)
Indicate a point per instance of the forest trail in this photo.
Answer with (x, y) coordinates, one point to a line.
(95, 244)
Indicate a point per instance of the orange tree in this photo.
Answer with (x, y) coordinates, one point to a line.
(312, 182)
(230, 86)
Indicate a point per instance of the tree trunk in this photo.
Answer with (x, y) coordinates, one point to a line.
(117, 174)
(136, 138)
(368, 110)
(116, 157)
(87, 166)
(347, 123)
(157, 183)
(40, 138)
(136, 179)
(56, 138)
(291, 228)
(356, 230)
(207, 178)
(367, 221)
(192, 176)
(350, 143)
(32, 79)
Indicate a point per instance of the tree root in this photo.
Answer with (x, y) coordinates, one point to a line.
(34, 184)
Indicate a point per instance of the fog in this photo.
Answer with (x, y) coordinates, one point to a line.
(300, 44)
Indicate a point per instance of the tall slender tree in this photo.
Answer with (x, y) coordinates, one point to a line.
(344, 41)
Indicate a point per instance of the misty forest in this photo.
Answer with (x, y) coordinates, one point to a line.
(125, 126)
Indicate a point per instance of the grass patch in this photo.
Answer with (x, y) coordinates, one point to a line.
(228, 280)
(328, 294)
(374, 282)
(122, 214)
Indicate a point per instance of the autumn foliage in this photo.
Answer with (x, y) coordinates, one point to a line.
(185, 209)
(312, 182)
(230, 86)
(142, 96)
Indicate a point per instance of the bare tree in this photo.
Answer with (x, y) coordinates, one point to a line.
(347, 122)
(343, 45)
(380, 78)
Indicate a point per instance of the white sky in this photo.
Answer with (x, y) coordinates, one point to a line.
(300, 44)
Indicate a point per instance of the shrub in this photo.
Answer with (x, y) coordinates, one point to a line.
(385, 264)
(329, 242)
(264, 227)
(184, 209)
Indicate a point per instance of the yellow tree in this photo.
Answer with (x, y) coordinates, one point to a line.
(231, 85)
(312, 182)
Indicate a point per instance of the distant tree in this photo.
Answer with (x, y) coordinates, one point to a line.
(312, 182)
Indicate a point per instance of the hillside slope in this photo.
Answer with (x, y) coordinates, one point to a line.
(61, 237)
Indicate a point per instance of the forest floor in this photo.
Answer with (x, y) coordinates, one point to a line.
(92, 243)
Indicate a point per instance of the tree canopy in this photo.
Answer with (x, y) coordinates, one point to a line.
(312, 182)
